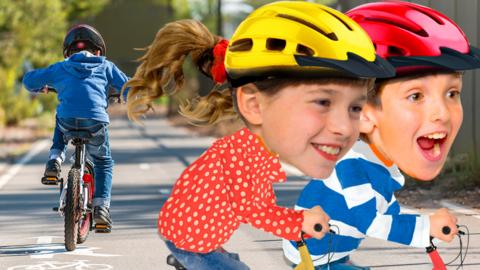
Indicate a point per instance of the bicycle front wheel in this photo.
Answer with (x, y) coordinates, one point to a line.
(72, 209)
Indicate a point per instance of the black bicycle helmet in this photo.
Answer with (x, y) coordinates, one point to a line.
(81, 34)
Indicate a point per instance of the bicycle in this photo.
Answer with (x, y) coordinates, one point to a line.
(76, 195)
(437, 262)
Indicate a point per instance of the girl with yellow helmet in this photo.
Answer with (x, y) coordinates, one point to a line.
(298, 74)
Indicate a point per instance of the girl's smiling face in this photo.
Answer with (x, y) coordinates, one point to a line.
(309, 126)
(417, 121)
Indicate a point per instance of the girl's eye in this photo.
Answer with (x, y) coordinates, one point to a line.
(415, 96)
(453, 94)
(356, 109)
(323, 102)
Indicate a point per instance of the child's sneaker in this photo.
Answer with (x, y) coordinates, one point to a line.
(52, 172)
(103, 221)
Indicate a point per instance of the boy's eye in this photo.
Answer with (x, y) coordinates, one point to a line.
(323, 102)
(415, 97)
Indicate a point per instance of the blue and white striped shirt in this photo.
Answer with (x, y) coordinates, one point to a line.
(359, 198)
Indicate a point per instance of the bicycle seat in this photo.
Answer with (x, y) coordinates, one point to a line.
(79, 133)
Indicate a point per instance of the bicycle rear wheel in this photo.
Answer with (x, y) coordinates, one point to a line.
(72, 209)
(87, 217)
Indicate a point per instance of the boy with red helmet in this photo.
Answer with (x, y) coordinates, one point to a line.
(83, 82)
(408, 124)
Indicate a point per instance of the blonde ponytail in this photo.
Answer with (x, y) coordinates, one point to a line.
(215, 107)
(161, 72)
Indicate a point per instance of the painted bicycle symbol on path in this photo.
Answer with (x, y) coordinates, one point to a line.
(53, 265)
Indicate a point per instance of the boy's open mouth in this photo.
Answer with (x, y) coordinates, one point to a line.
(431, 145)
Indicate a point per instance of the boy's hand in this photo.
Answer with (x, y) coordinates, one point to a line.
(313, 216)
(45, 89)
(443, 218)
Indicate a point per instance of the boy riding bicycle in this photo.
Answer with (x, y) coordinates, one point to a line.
(83, 81)
(408, 124)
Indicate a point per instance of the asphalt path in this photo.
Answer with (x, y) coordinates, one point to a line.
(148, 160)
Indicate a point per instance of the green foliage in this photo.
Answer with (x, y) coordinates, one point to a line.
(33, 31)
(19, 107)
(77, 9)
(2, 117)
(30, 29)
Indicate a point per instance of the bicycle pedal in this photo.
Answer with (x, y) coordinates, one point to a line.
(171, 260)
(49, 180)
(102, 228)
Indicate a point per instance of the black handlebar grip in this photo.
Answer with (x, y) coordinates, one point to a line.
(318, 227)
(446, 230)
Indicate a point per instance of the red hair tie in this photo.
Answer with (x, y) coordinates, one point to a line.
(219, 74)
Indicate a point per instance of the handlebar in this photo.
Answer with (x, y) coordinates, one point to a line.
(51, 89)
(445, 230)
(112, 95)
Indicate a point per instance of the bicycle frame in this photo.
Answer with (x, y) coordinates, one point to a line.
(306, 262)
(79, 163)
(437, 261)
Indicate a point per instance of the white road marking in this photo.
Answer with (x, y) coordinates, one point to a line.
(37, 147)
(460, 209)
(144, 166)
(77, 264)
(45, 239)
(165, 191)
(49, 251)
(291, 170)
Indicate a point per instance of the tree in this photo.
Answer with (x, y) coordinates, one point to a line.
(31, 34)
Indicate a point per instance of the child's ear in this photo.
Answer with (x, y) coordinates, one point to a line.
(248, 102)
(367, 119)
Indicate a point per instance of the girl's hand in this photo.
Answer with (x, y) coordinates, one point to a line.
(443, 218)
(313, 216)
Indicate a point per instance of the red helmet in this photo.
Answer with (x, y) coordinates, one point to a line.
(80, 34)
(412, 37)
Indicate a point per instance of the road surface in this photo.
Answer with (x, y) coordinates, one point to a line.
(147, 161)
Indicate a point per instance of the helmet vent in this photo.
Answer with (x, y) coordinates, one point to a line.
(395, 51)
(429, 14)
(241, 45)
(338, 18)
(275, 44)
(331, 36)
(301, 49)
(420, 32)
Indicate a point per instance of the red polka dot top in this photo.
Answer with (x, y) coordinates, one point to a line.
(231, 183)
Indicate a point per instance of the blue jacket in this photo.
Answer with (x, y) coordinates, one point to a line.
(82, 81)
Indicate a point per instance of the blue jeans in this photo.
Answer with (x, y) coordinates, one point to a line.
(342, 264)
(215, 260)
(98, 149)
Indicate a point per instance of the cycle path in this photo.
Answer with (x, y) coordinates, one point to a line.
(148, 161)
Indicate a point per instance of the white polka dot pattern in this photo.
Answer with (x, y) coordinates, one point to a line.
(229, 184)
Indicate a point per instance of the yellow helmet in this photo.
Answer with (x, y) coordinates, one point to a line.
(302, 39)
